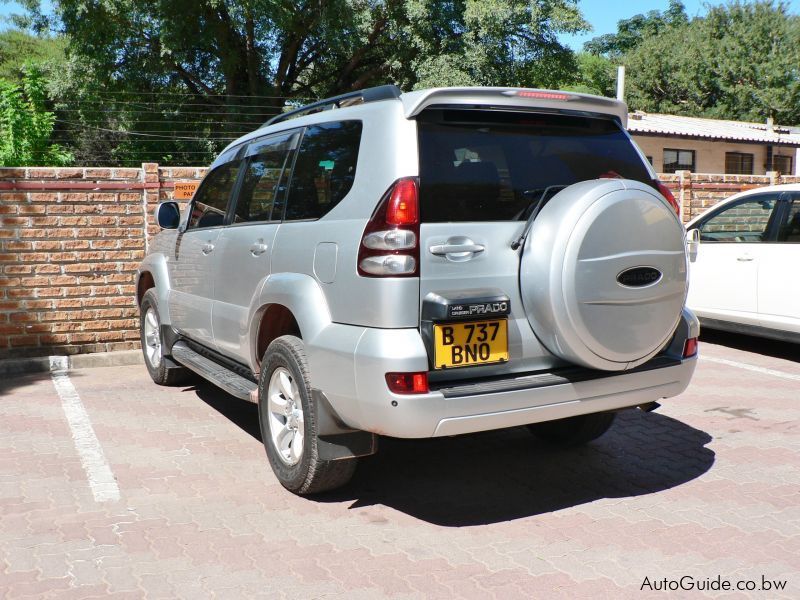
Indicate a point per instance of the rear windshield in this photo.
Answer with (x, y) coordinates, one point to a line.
(478, 165)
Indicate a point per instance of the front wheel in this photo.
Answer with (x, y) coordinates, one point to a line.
(573, 431)
(153, 346)
(288, 417)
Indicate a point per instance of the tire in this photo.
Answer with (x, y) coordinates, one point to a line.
(153, 344)
(573, 431)
(284, 376)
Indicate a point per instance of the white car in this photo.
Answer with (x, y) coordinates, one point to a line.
(745, 263)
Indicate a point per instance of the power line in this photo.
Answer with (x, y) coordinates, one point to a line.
(209, 95)
(117, 131)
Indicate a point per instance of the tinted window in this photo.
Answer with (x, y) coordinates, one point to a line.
(790, 226)
(262, 176)
(496, 166)
(744, 221)
(211, 201)
(324, 170)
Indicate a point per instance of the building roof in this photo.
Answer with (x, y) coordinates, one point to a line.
(714, 129)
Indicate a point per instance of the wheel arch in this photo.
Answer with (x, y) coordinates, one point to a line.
(287, 304)
(152, 273)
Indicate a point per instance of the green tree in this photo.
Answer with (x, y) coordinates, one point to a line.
(741, 61)
(494, 42)
(177, 79)
(19, 48)
(26, 125)
(596, 75)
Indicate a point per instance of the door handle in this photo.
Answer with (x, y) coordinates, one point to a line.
(207, 248)
(745, 258)
(258, 249)
(457, 249)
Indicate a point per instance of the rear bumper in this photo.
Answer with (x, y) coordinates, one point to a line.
(354, 383)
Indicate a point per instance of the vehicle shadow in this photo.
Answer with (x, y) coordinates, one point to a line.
(749, 343)
(505, 475)
(241, 413)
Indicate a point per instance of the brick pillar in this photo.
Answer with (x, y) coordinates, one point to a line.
(685, 195)
(150, 200)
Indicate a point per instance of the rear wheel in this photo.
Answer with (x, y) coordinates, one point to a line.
(288, 417)
(573, 431)
(153, 346)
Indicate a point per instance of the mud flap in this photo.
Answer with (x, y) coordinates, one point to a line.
(337, 441)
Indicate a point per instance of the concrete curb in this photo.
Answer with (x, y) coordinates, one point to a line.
(44, 364)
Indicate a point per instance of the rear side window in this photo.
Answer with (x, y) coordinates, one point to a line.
(747, 220)
(324, 170)
(262, 176)
(495, 166)
(211, 201)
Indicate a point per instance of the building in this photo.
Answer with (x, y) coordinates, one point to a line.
(672, 143)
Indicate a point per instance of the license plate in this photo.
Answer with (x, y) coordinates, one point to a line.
(470, 343)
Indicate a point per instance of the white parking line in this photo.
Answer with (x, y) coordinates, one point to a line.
(101, 479)
(747, 367)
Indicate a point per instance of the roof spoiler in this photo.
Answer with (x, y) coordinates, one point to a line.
(415, 102)
(373, 94)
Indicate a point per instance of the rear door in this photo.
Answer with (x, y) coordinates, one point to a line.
(246, 245)
(481, 174)
(724, 277)
(778, 281)
(197, 257)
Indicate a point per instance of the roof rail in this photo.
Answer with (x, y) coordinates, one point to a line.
(373, 94)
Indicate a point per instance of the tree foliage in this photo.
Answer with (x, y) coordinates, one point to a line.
(175, 80)
(26, 125)
(740, 61)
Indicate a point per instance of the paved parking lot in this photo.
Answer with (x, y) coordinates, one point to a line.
(113, 487)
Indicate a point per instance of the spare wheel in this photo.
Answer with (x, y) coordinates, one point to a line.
(603, 275)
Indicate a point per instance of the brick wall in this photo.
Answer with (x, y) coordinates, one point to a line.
(70, 242)
(71, 239)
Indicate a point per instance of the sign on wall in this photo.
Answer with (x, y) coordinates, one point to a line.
(185, 190)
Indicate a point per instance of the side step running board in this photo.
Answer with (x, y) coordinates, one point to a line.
(229, 381)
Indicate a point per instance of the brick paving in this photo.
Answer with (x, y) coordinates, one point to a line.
(706, 486)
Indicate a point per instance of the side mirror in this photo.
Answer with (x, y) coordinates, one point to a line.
(168, 215)
(692, 243)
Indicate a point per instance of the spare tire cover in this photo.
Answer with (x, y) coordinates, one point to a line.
(603, 275)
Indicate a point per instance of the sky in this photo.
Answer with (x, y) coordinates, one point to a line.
(601, 14)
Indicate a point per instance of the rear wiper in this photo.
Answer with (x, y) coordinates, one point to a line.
(529, 223)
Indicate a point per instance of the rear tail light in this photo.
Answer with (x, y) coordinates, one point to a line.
(390, 244)
(408, 383)
(690, 348)
(665, 191)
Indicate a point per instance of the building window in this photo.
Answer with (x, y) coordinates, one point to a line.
(737, 163)
(678, 160)
(782, 164)
(650, 160)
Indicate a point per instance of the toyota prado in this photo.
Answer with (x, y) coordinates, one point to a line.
(424, 264)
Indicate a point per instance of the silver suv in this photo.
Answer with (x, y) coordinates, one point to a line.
(424, 264)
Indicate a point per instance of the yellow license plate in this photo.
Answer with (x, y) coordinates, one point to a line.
(470, 343)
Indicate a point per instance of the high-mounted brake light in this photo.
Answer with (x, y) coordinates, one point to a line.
(408, 383)
(390, 244)
(542, 95)
(665, 191)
